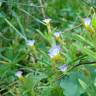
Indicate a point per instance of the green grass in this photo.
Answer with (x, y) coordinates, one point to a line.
(35, 69)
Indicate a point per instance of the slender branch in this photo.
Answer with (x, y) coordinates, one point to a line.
(75, 66)
(79, 58)
(88, 4)
(21, 4)
(67, 30)
(42, 8)
(11, 84)
(83, 63)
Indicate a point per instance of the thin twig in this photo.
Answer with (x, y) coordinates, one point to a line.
(8, 86)
(23, 4)
(1, 35)
(42, 8)
(75, 66)
(67, 30)
(84, 63)
(88, 4)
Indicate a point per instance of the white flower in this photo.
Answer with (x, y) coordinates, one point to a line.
(30, 42)
(54, 51)
(47, 21)
(87, 21)
(63, 68)
(57, 34)
(18, 74)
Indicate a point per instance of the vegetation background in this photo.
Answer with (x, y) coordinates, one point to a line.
(22, 20)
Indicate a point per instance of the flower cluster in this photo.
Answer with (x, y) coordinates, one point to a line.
(54, 51)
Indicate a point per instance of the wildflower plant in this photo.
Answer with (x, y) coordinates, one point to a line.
(48, 25)
(88, 24)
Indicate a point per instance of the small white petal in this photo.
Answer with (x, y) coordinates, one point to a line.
(57, 34)
(87, 21)
(63, 68)
(54, 51)
(46, 21)
(18, 74)
(30, 42)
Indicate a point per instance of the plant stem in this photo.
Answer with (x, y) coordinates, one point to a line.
(42, 8)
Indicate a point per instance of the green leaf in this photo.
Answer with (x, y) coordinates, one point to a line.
(83, 40)
(83, 84)
(70, 85)
(12, 26)
(88, 52)
(94, 21)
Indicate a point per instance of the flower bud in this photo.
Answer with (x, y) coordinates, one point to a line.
(30, 42)
(47, 21)
(57, 34)
(63, 68)
(88, 24)
(19, 74)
